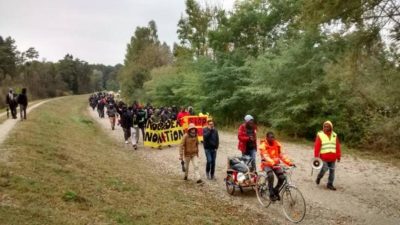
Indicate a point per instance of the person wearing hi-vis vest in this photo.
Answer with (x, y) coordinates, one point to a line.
(327, 147)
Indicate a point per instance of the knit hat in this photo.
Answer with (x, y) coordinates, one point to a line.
(328, 122)
(247, 118)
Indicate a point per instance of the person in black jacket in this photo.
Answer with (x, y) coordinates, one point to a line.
(142, 119)
(23, 103)
(126, 121)
(210, 143)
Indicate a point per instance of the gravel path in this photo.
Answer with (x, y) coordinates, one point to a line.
(368, 191)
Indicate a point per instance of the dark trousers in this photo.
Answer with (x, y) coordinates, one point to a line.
(331, 167)
(142, 130)
(101, 113)
(270, 175)
(127, 133)
(13, 109)
(22, 111)
(211, 155)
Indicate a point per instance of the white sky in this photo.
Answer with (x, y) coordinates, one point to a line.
(96, 31)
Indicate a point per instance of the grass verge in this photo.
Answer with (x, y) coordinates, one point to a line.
(64, 170)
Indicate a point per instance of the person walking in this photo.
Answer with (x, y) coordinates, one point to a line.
(12, 103)
(191, 111)
(327, 147)
(247, 135)
(23, 103)
(126, 122)
(181, 115)
(142, 119)
(210, 143)
(189, 152)
(100, 107)
(112, 113)
(135, 126)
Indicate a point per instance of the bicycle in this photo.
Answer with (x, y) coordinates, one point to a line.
(292, 200)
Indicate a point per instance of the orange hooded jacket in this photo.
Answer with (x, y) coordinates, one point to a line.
(272, 155)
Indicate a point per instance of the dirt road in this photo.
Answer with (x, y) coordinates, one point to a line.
(368, 191)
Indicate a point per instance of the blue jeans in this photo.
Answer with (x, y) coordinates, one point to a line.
(211, 155)
(331, 167)
(252, 153)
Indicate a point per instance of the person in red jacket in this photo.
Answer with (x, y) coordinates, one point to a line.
(327, 147)
(181, 115)
(247, 136)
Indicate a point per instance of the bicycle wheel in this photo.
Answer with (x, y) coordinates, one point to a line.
(293, 204)
(262, 191)
(230, 186)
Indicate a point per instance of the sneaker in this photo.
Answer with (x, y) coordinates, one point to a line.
(185, 178)
(199, 181)
(135, 147)
(213, 177)
(318, 180)
(331, 187)
(126, 142)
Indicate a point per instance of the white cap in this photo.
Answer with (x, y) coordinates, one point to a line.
(247, 118)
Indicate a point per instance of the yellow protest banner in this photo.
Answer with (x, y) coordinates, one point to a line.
(163, 134)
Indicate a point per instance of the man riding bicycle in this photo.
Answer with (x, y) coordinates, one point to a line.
(271, 155)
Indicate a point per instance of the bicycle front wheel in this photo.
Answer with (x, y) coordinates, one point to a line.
(262, 191)
(293, 203)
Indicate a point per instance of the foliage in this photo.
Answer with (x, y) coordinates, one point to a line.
(144, 52)
(292, 64)
(47, 79)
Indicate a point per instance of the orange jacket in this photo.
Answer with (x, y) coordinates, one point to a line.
(272, 155)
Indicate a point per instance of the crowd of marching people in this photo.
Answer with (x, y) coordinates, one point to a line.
(13, 100)
(133, 119)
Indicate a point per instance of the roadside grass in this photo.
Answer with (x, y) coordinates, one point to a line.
(64, 170)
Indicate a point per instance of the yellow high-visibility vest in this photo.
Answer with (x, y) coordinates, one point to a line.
(327, 145)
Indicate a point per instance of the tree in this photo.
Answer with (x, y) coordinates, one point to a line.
(193, 29)
(31, 54)
(144, 53)
(8, 57)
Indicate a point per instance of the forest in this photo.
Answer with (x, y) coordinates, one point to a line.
(45, 79)
(291, 63)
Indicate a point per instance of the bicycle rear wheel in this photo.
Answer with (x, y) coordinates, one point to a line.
(262, 191)
(293, 204)
(230, 184)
